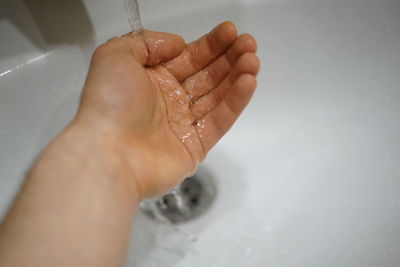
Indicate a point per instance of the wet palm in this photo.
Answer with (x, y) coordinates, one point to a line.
(168, 103)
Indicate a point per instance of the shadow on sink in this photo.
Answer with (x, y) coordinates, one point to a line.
(48, 22)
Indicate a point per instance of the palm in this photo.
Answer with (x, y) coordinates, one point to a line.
(184, 105)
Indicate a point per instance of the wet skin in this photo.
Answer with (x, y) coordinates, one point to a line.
(165, 103)
(151, 109)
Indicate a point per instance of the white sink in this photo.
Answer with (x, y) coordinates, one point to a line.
(310, 175)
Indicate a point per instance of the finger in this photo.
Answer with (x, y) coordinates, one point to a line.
(216, 123)
(152, 48)
(247, 63)
(202, 52)
(210, 77)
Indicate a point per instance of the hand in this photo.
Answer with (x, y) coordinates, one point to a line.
(151, 109)
(164, 104)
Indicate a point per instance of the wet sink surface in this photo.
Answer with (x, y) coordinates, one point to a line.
(310, 174)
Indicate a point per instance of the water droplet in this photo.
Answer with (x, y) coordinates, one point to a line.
(201, 124)
(200, 127)
(187, 138)
(178, 91)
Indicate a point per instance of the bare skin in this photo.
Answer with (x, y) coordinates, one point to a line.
(151, 109)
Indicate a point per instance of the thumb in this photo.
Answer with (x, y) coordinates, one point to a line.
(152, 48)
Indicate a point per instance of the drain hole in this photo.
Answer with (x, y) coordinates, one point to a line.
(186, 189)
(195, 201)
(165, 201)
(191, 199)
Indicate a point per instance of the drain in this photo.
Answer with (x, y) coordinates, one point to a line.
(186, 202)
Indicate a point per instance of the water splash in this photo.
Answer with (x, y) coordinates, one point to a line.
(151, 206)
(180, 203)
(132, 8)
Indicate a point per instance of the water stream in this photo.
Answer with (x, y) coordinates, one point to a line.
(132, 8)
(133, 11)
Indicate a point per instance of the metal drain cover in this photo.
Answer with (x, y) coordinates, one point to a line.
(186, 202)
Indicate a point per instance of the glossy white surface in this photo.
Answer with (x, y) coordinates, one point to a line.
(310, 175)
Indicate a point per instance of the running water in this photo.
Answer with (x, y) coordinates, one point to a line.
(133, 11)
(132, 8)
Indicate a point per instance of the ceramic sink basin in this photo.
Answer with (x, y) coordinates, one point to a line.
(310, 174)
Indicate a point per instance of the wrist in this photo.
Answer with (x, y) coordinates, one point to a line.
(93, 155)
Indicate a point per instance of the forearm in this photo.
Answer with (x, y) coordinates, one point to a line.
(73, 205)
